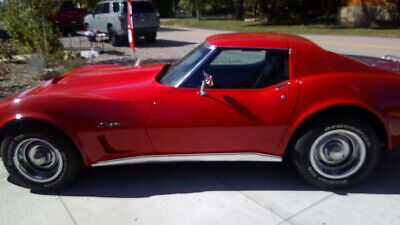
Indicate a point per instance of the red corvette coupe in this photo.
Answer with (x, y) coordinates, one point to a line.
(243, 96)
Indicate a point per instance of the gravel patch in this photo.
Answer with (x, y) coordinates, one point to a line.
(17, 79)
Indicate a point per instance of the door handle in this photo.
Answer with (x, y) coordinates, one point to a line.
(282, 85)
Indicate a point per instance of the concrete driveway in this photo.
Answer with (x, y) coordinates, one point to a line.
(210, 193)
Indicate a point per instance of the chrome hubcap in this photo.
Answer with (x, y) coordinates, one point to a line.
(337, 154)
(37, 160)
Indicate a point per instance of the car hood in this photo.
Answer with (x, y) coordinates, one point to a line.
(101, 80)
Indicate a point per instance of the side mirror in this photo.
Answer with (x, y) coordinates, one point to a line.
(208, 80)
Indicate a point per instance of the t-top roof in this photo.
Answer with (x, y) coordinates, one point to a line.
(254, 40)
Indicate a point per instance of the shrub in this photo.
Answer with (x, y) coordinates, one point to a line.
(74, 62)
(8, 50)
(28, 23)
(4, 70)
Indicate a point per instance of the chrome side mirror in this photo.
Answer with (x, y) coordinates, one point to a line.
(208, 80)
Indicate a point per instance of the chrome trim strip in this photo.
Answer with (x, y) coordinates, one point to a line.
(282, 85)
(256, 157)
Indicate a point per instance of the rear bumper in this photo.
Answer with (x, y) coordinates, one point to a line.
(142, 31)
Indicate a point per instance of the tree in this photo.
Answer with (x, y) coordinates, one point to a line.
(239, 10)
(86, 3)
(197, 9)
(262, 8)
(193, 5)
(27, 22)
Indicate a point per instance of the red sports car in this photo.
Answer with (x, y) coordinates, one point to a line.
(243, 96)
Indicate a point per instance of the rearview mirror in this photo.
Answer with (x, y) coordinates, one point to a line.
(208, 80)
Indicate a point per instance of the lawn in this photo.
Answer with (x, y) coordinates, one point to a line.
(231, 25)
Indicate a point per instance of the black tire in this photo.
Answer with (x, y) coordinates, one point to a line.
(311, 162)
(150, 38)
(114, 39)
(91, 39)
(66, 172)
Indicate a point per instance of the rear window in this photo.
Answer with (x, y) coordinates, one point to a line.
(141, 7)
(116, 6)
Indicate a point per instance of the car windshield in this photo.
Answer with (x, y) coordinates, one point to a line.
(179, 71)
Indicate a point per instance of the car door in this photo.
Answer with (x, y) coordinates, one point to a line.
(247, 109)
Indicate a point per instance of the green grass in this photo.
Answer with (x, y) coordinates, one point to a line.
(242, 26)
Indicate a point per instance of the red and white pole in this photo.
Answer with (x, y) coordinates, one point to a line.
(130, 26)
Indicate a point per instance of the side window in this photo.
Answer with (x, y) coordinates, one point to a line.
(99, 9)
(106, 8)
(243, 69)
(116, 7)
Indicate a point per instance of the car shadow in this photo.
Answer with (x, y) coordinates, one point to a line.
(114, 52)
(171, 29)
(144, 180)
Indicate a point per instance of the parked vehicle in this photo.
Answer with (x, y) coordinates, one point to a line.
(69, 18)
(243, 96)
(110, 17)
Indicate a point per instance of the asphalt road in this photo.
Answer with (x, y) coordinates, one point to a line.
(210, 193)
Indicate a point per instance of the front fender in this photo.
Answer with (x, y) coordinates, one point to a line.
(11, 113)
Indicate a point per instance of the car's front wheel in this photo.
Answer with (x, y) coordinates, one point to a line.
(40, 161)
(336, 153)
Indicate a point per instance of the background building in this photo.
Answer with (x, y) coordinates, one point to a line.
(368, 12)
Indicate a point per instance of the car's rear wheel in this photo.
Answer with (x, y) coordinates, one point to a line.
(90, 38)
(40, 161)
(336, 153)
(150, 38)
(114, 38)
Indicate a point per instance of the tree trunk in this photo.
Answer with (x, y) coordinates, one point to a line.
(239, 10)
(398, 6)
(196, 2)
(272, 10)
(262, 8)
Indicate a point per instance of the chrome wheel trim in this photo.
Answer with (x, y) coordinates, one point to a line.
(37, 160)
(338, 154)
